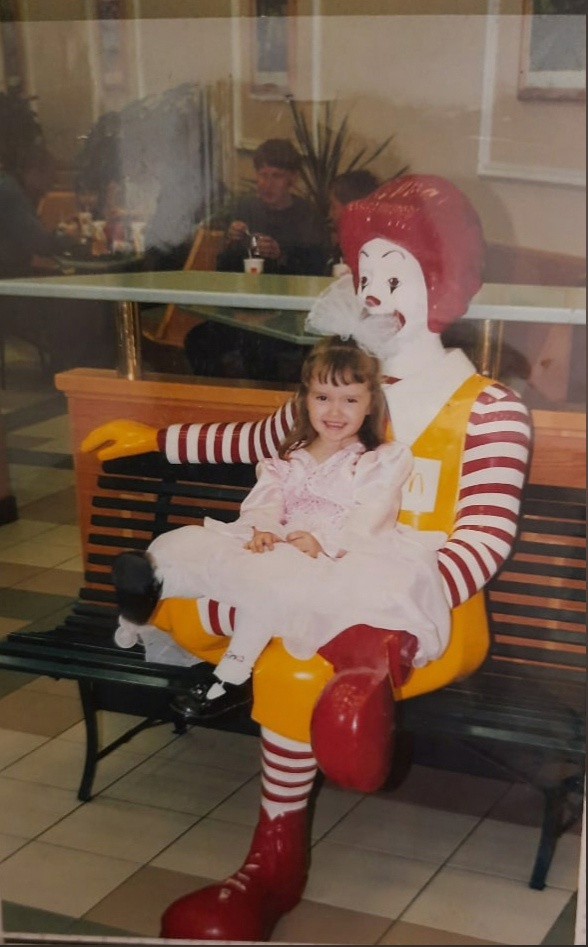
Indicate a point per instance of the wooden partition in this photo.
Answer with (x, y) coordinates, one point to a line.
(57, 207)
(559, 448)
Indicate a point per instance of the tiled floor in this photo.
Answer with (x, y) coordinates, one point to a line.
(443, 859)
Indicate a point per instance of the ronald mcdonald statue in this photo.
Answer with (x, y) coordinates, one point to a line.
(415, 251)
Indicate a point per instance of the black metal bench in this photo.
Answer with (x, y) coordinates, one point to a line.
(530, 692)
(136, 499)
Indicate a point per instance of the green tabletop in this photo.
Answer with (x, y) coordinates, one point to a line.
(285, 324)
(510, 303)
(186, 287)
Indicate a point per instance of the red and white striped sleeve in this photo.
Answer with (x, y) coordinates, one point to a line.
(493, 472)
(226, 442)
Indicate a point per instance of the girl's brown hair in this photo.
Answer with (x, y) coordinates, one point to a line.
(339, 362)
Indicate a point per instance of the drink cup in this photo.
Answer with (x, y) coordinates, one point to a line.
(85, 222)
(99, 242)
(340, 269)
(121, 246)
(138, 236)
(253, 264)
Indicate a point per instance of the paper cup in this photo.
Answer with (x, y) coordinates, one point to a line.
(85, 222)
(138, 235)
(253, 265)
(98, 231)
(340, 269)
(99, 242)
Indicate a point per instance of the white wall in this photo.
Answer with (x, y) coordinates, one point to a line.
(423, 77)
(179, 50)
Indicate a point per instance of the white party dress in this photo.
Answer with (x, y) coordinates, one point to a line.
(372, 571)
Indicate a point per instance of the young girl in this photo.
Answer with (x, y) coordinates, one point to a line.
(323, 514)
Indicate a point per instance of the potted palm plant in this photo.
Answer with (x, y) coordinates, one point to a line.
(328, 152)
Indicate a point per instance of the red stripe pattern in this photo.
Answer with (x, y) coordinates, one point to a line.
(493, 472)
(219, 619)
(214, 443)
(287, 774)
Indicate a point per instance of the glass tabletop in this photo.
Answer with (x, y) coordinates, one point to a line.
(284, 324)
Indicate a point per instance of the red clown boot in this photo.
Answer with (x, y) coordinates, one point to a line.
(353, 720)
(247, 905)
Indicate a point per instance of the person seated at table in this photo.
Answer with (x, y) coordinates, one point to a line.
(22, 235)
(73, 333)
(291, 240)
(290, 237)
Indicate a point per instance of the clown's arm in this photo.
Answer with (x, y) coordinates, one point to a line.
(214, 442)
(493, 472)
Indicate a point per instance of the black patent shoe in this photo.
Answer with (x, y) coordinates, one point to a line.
(194, 704)
(137, 589)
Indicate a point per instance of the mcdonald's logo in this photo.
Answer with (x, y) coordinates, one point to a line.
(416, 483)
(419, 493)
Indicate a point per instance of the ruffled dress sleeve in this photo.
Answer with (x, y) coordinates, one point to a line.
(262, 509)
(379, 476)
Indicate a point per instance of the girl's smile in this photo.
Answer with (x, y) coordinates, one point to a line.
(336, 413)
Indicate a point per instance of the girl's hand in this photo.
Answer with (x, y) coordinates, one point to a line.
(305, 542)
(262, 541)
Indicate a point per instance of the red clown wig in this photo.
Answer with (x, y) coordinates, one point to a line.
(433, 220)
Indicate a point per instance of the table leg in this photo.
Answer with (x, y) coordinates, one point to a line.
(128, 328)
(490, 348)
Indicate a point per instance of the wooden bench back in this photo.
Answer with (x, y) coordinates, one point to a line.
(138, 498)
(537, 602)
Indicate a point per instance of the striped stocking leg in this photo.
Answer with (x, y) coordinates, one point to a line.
(288, 772)
(271, 881)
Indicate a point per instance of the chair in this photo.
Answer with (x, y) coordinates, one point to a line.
(57, 206)
(54, 207)
(44, 359)
(523, 265)
(164, 332)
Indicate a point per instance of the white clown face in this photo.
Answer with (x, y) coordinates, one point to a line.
(391, 318)
(391, 281)
(394, 294)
